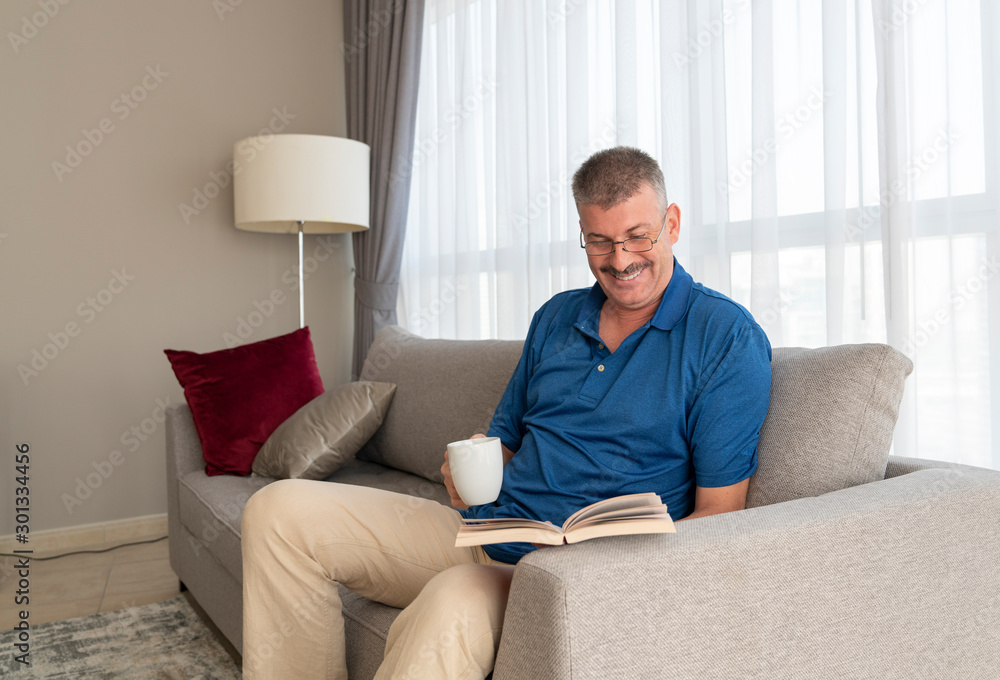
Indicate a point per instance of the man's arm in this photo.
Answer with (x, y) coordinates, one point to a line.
(727, 417)
(716, 500)
(456, 500)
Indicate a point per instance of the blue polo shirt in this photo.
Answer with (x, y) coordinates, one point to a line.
(679, 404)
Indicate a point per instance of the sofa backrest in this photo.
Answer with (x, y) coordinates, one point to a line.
(829, 425)
(446, 390)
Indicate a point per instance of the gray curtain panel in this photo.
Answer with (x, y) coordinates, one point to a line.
(382, 57)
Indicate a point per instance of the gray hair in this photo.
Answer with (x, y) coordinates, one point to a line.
(617, 174)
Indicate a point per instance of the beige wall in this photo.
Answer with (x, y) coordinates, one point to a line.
(205, 81)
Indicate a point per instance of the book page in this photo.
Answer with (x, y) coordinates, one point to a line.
(653, 511)
(621, 527)
(636, 500)
(505, 521)
(468, 536)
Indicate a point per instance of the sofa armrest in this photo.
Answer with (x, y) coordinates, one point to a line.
(184, 453)
(904, 465)
(893, 579)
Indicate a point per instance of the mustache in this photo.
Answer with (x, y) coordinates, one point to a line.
(628, 271)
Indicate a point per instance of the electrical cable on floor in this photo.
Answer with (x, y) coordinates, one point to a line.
(81, 552)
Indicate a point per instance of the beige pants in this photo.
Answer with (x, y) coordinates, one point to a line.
(301, 538)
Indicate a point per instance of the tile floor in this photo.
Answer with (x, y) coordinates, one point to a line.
(78, 585)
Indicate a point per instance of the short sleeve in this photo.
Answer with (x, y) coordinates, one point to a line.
(729, 409)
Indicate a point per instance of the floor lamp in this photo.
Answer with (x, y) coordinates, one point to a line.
(304, 184)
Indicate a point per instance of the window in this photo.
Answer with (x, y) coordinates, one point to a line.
(767, 119)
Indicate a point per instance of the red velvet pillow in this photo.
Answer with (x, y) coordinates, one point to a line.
(239, 396)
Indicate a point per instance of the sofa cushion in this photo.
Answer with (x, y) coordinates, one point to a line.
(211, 508)
(830, 422)
(367, 473)
(366, 626)
(322, 435)
(239, 396)
(446, 390)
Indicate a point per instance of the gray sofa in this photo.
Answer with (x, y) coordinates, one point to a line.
(843, 566)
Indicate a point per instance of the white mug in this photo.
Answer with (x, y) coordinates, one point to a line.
(477, 469)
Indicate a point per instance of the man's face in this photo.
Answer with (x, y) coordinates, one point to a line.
(632, 281)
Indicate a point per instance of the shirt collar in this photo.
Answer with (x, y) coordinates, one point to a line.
(673, 305)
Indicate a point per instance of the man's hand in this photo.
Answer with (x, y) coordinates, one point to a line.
(456, 500)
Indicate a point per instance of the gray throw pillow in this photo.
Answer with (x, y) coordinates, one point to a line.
(830, 423)
(322, 435)
(446, 390)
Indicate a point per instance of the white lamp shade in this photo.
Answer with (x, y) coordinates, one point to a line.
(280, 180)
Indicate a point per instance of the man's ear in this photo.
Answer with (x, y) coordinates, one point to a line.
(674, 222)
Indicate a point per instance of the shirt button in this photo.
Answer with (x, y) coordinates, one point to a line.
(601, 367)
(600, 345)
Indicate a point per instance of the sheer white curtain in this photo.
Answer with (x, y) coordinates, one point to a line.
(835, 165)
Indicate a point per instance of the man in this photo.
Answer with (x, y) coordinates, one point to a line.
(646, 382)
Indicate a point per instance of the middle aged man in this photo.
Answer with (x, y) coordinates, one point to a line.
(646, 382)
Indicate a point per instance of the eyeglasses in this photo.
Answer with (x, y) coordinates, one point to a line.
(638, 244)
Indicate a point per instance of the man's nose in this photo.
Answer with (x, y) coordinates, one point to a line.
(620, 258)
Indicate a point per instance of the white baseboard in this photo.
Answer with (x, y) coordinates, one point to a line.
(73, 538)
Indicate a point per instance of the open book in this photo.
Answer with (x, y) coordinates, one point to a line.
(640, 513)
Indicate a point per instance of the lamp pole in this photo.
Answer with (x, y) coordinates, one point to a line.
(302, 288)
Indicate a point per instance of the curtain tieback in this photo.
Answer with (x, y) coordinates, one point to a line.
(380, 296)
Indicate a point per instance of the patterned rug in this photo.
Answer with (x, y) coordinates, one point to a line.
(164, 641)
